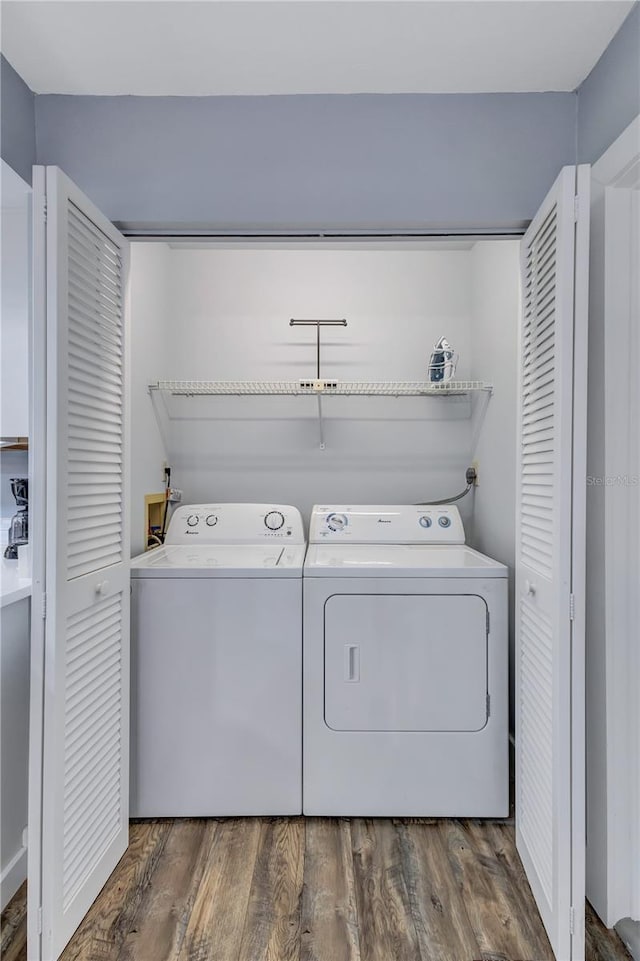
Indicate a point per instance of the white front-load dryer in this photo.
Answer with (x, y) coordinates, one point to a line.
(405, 667)
(216, 725)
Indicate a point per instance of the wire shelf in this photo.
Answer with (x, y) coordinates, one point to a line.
(324, 388)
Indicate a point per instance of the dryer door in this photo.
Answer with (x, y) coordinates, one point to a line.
(405, 662)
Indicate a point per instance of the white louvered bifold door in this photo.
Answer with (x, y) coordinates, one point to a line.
(550, 735)
(85, 744)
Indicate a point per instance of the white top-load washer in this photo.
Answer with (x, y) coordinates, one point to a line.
(405, 666)
(216, 664)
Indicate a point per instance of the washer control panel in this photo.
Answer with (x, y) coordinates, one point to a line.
(235, 524)
(404, 524)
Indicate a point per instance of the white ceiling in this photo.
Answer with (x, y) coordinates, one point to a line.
(209, 47)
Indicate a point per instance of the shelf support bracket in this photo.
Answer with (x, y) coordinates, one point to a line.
(479, 409)
(161, 411)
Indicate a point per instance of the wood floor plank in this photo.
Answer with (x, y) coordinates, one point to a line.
(110, 918)
(160, 923)
(14, 917)
(16, 949)
(493, 917)
(371, 891)
(13, 927)
(214, 930)
(497, 843)
(443, 928)
(272, 924)
(602, 944)
(385, 922)
(329, 918)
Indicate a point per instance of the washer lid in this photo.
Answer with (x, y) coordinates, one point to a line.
(220, 560)
(399, 560)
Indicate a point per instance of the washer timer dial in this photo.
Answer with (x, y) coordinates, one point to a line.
(192, 520)
(274, 520)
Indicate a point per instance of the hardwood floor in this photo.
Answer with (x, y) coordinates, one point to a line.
(314, 889)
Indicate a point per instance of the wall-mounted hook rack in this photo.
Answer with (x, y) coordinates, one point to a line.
(310, 322)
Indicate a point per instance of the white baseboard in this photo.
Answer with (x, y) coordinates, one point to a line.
(13, 874)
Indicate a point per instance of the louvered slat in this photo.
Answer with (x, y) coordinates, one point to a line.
(93, 739)
(94, 398)
(95, 488)
(538, 394)
(536, 732)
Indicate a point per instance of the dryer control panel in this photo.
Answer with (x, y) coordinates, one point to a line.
(235, 524)
(374, 524)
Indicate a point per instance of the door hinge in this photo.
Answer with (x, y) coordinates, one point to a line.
(488, 705)
(44, 607)
(39, 921)
(488, 622)
(572, 607)
(571, 921)
(576, 209)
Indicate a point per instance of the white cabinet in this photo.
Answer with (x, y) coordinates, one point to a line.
(15, 253)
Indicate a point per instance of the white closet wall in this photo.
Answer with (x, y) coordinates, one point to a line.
(150, 322)
(230, 320)
(495, 296)
(15, 267)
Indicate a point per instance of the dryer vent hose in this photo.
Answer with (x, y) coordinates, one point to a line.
(470, 477)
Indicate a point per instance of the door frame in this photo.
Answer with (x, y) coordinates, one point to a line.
(37, 517)
(613, 746)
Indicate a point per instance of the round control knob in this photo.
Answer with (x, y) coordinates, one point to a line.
(212, 520)
(425, 521)
(336, 522)
(274, 520)
(192, 520)
(444, 521)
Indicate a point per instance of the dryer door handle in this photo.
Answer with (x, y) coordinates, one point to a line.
(351, 663)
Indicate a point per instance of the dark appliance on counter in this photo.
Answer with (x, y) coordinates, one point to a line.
(19, 527)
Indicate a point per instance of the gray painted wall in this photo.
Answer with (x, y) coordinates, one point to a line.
(609, 99)
(345, 161)
(301, 161)
(18, 126)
